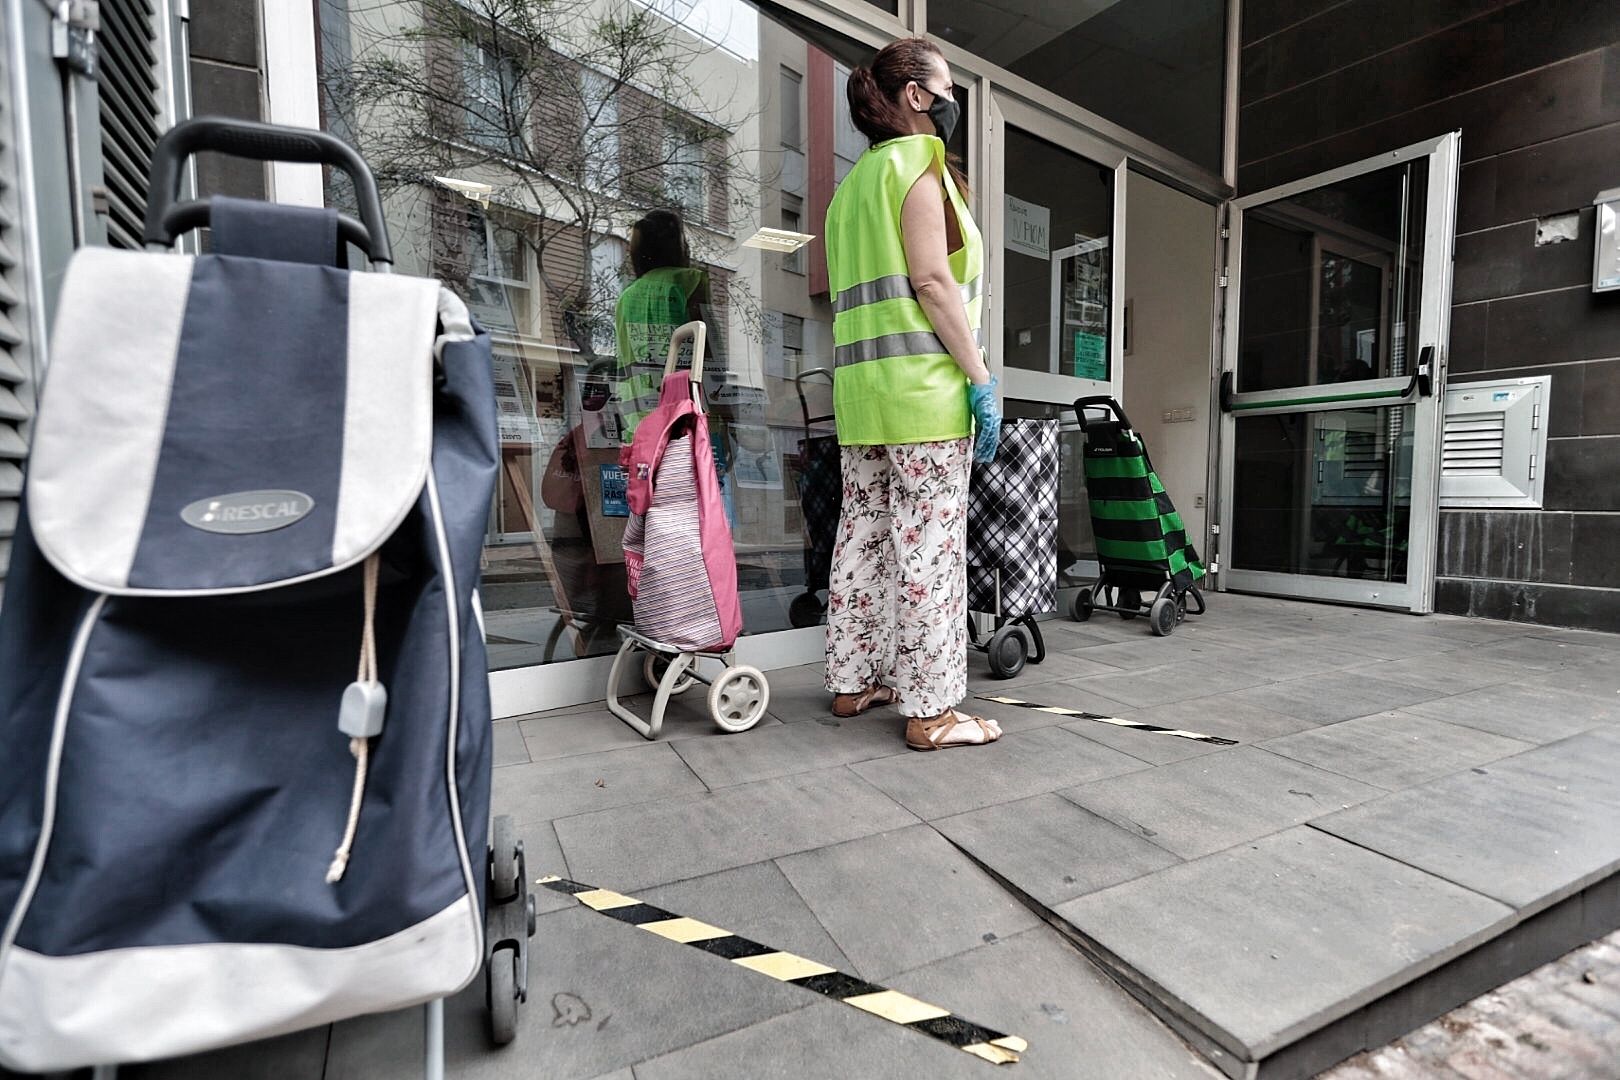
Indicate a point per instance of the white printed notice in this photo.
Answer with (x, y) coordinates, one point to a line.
(1029, 228)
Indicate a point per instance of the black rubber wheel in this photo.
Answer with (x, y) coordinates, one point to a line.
(500, 987)
(503, 868)
(653, 668)
(1084, 605)
(805, 610)
(1162, 616)
(1129, 601)
(1008, 652)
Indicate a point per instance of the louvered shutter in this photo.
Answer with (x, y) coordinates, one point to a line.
(16, 367)
(131, 112)
(1495, 444)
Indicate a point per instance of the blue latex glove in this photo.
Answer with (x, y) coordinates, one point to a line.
(987, 419)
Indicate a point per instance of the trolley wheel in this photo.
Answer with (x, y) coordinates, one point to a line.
(805, 610)
(1129, 601)
(1008, 652)
(503, 862)
(1163, 616)
(738, 698)
(653, 669)
(500, 988)
(1084, 605)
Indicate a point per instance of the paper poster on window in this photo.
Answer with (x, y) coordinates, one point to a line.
(514, 408)
(1029, 228)
(757, 461)
(1090, 356)
(615, 491)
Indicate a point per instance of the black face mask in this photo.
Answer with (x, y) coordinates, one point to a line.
(944, 112)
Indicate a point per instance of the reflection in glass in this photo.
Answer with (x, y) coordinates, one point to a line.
(1324, 493)
(1154, 67)
(587, 183)
(1059, 262)
(1331, 282)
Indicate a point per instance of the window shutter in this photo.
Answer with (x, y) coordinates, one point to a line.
(131, 112)
(16, 364)
(1495, 444)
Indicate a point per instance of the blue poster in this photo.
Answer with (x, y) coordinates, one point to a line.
(615, 491)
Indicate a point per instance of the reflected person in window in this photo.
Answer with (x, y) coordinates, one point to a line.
(667, 292)
(911, 386)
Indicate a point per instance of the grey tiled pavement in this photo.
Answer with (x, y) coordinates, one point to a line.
(1403, 789)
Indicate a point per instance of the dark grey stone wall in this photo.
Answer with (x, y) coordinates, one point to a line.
(227, 79)
(1534, 87)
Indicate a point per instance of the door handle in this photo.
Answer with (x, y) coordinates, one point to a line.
(1422, 384)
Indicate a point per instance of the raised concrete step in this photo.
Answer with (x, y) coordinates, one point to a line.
(1280, 956)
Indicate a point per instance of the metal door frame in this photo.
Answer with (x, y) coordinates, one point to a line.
(1416, 594)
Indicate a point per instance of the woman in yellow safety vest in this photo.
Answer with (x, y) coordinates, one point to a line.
(910, 389)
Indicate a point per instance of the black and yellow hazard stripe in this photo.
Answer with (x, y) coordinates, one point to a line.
(891, 1005)
(1078, 714)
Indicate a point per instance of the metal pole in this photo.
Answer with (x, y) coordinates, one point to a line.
(104, 1072)
(433, 1043)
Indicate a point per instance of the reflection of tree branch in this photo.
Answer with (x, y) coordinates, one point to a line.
(577, 154)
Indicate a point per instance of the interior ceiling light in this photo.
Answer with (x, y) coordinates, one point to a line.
(781, 240)
(472, 189)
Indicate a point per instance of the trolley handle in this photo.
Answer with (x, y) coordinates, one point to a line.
(804, 403)
(259, 142)
(1104, 402)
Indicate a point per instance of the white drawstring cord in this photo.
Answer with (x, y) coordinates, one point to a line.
(360, 748)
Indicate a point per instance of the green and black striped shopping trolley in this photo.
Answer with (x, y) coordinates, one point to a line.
(1146, 561)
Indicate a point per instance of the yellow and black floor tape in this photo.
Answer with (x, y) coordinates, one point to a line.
(1154, 729)
(891, 1005)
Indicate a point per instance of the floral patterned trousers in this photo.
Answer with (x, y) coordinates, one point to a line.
(896, 610)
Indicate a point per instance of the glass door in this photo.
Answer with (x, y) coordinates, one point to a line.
(1332, 388)
(1057, 272)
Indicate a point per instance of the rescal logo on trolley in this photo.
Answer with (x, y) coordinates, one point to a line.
(247, 511)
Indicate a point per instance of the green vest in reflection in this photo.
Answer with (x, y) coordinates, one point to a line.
(649, 311)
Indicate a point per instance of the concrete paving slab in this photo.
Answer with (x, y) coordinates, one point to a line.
(902, 899)
(799, 693)
(780, 749)
(508, 748)
(1298, 659)
(1600, 681)
(559, 787)
(1529, 830)
(827, 1041)
(1176, 682)
(1541, 654)
(1394, 750)
(1056, 666)
(1204, 804)
(587, 731)
(1142, 650)
(543, 854)
(756, 901)
(1264, 942)
(1341, 695)
(635, 847)
(1537, 712)
(1020, 764)
(602, 996)
(1223, 716)
(1052, 850)
(1079, 1024)
(1448, 672)
(299, 1056)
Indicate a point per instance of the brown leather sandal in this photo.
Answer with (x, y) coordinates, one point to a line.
(847, 706)
(927, 733)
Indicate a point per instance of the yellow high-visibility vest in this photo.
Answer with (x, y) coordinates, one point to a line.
(894, 380)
